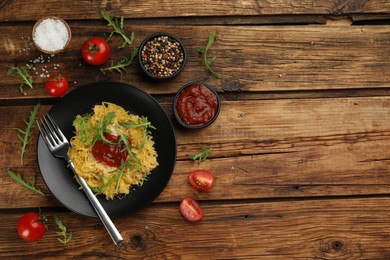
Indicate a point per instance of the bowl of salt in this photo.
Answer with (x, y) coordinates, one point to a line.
(51, 35)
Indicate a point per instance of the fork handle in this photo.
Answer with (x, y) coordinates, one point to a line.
(106, 220)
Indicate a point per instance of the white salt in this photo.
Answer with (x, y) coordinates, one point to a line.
(51, 35)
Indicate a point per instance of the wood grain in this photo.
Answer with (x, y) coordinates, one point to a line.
(262, 149)
(250, 59)
(300, 149)
(86, 9)
(308, 229)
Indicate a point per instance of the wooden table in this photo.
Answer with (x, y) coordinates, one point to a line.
(301, 148)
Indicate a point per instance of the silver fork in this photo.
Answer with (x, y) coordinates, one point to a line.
(59, 147)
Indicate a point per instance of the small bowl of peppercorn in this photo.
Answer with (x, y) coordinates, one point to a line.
(196, 105)
(162, 56)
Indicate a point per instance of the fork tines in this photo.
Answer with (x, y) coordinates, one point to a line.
(51, 133)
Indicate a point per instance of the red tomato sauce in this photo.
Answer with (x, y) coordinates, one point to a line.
(110, 154)
(196, 105)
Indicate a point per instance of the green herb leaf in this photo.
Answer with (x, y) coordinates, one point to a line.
(96, 190)
(206, 61)
(11, 71)
(80, 122)
(23, 73)
(201, 50)
(25, 136)
(26, 186)
(211, 40)
(142, 122)
(101, 127)
(132, 162)
(102, 189)
(125, 140)
(66, 237)
(202, 155)
(118, 29)
(120, 66)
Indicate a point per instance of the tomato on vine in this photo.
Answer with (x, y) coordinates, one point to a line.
(57, 85)
(30, 227)
(95, 51)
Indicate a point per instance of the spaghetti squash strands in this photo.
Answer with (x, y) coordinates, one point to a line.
(111, 126)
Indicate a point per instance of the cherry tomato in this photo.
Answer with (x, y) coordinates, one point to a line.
(201, 180)
(191, 210)
(95, 51)
(30, 228)
(57, 85)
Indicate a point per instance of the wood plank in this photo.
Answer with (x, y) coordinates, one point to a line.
(292, 58)
(262, 149)
(308, 229)
(85, 9)
(300, 149)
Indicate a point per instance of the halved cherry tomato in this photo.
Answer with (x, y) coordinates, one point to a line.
(95, 51)
(201, 180)
(30, 228)
(191, 210)
(57, 85)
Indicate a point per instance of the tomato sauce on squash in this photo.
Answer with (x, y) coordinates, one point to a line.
(110, 154)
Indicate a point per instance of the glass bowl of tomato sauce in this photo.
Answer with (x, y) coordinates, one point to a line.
(196, 105)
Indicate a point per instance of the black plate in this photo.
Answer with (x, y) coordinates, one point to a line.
(59, 178)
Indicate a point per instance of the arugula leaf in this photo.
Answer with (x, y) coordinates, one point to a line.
(81, 123)
(148, 124)
(101, 128)
(23, 73)
(202, 155)
(102, 189)
(117, 26)
(132, 162)
(118, 178)
(18, 179)
(142, 122)
(146, 131)
(209, 61)
(66, 238)
(125, 140)
(121, 65)
(90, 136)
(25, 136)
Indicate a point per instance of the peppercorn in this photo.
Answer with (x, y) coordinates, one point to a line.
(162, 56)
